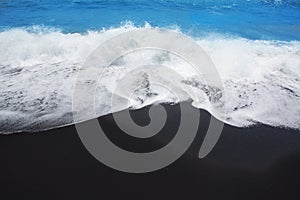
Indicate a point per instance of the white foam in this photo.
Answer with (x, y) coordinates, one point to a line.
(38, 70)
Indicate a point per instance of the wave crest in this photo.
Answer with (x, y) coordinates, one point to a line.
(38, 70)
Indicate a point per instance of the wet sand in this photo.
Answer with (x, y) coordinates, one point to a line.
(259, 162)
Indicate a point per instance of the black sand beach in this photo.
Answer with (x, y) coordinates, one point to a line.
(260, 162)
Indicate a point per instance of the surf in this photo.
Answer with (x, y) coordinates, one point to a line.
(39, 67)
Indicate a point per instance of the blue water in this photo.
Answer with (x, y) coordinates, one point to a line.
(254, 45)
(252, 19)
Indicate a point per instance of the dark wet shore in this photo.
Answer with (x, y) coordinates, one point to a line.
(251, 163)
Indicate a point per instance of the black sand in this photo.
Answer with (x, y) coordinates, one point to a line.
(251, 163)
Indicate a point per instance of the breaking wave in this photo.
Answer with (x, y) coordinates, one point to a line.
(38, 69)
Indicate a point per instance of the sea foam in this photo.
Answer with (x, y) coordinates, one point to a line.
(38, 71)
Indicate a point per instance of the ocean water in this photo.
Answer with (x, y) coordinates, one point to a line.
(254, 44)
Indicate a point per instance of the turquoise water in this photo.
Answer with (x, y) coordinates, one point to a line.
(252, 19)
